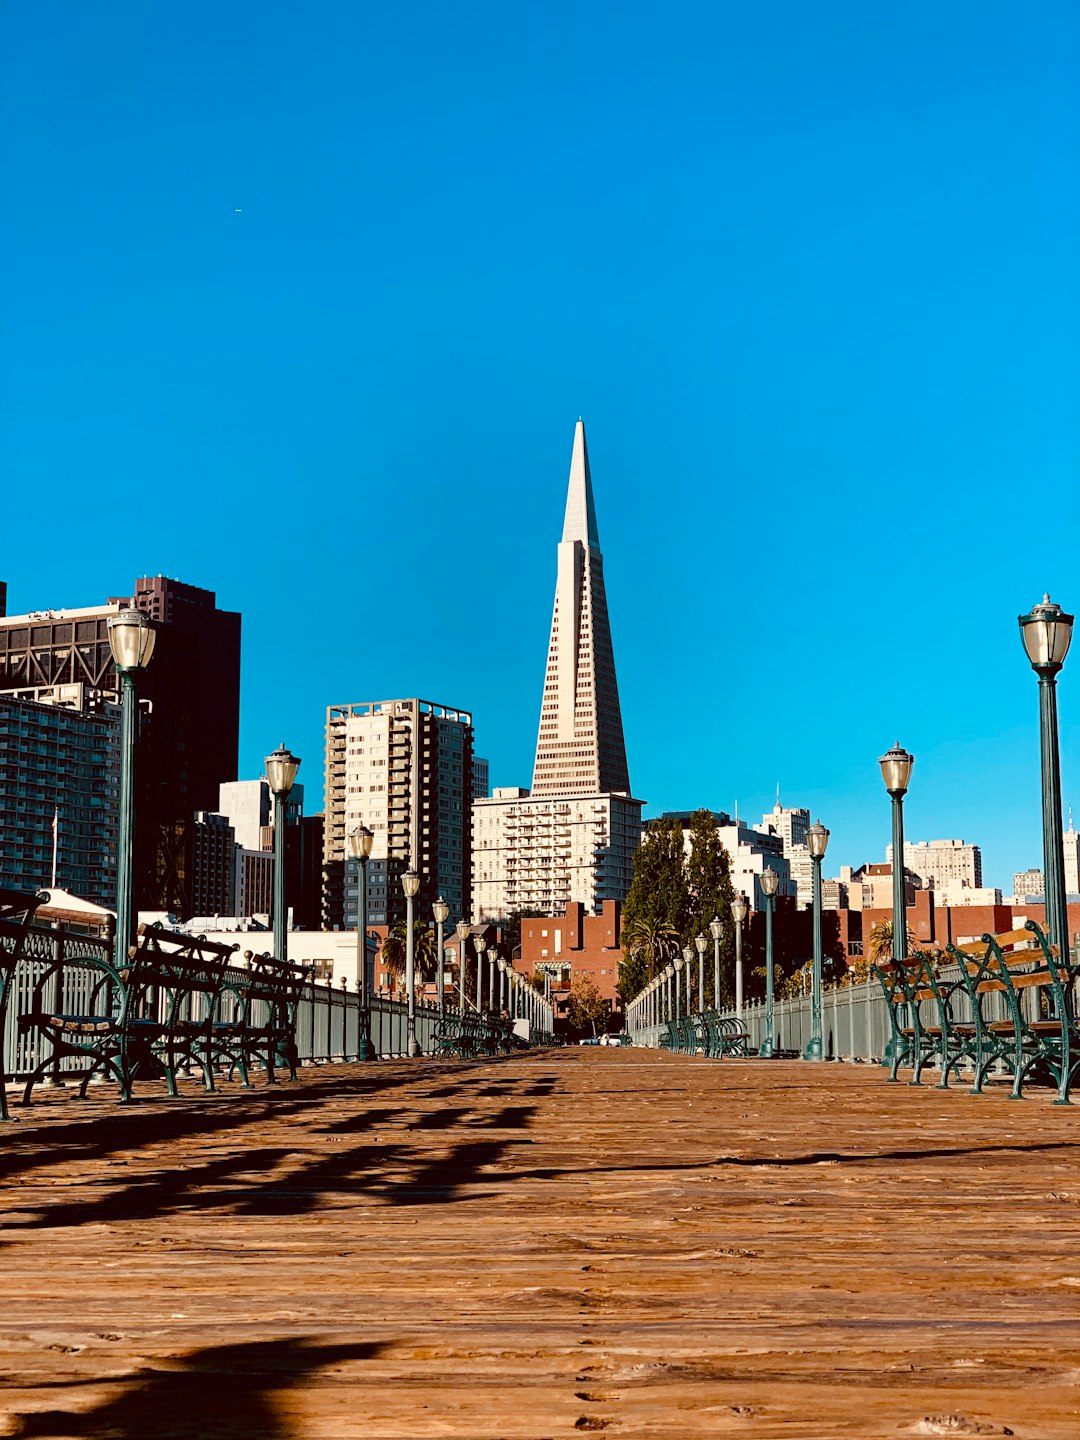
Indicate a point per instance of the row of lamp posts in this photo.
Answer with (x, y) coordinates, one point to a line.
(1047, 633)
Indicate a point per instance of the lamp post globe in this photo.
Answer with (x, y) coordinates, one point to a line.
(360, 841)
(410, 883)
(817, 840)
(1047, 633)
(281, 768)
(770, 882)
(131, 641)
(738, 914)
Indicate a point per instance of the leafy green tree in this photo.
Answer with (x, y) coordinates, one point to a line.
(710, 893)
(585, 1007)
(673, 897)
(656, 902)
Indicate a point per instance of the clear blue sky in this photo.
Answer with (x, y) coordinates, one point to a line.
(301, 303)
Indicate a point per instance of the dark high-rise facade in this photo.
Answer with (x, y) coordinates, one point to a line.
(190, 704)
(60, 791)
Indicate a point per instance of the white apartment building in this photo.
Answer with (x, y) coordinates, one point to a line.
(958, 893)
(543, 852)
(943, 863)
(790, 824)
(1029, 882)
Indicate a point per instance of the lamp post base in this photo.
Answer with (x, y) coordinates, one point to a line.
(365, 1050)
(412, 1045)
(767, 1050)
(813, 1050)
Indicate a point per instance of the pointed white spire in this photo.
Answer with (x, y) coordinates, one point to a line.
(580, 520)
(580, 748)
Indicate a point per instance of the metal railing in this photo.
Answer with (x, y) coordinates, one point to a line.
(328, 1021)
(855, 1023)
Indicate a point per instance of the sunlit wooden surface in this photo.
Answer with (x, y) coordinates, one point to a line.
(538, 1246)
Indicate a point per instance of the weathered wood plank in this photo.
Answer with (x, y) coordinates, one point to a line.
(539, 1246)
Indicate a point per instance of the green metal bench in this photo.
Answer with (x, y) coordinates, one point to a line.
(455, 1036)
(925, 1027)
(1037, 1036)
(256, 1023)
(725, 1035)
(154, 1016)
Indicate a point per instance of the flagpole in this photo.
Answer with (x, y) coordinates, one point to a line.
(55, 841)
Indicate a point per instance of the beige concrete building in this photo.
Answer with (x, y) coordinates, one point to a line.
(403, 768)
(943, 863)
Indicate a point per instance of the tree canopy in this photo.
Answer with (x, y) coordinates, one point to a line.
(585, 1007)
(673, 896)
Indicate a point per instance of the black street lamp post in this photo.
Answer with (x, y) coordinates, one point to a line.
(410, 883)
(817, 838)
(440, 910)
(360, 842)
(1047, 632)
(896, 766)
(131, 639)
(769, 883)
(281, 768)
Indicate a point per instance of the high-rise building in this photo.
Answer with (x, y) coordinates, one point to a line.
(1071, 846)
(580, 748)
(791, 825)
(403, 768)
(942, 864)
(573, 838)
(60, 789)
(481, 782)
(213, 882)
(189, 706)
(249, 808)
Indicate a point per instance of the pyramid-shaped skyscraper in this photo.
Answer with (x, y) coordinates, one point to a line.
(580, 745)
(572, 837)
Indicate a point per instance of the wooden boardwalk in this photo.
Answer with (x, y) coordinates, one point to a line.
(540, 1246)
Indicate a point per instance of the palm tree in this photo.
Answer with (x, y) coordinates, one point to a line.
(394, 946)
(880, 945)
(655, 940)
(880, 941)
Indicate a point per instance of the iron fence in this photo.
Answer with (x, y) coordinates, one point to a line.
(328, 1020)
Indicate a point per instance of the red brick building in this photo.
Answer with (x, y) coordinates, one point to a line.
(566, 946)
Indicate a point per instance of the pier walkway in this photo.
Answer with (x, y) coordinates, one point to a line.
(544, 1245)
